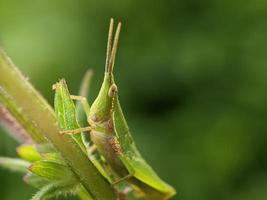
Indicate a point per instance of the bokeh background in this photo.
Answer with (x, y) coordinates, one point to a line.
(192, 77)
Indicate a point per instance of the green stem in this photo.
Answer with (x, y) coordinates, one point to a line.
(35, 108)
(51, 190)
(14, 164)
(19, 117)
(83, 194)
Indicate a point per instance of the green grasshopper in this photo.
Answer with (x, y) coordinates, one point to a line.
(110, 133)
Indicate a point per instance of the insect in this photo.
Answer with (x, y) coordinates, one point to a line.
(110, 133)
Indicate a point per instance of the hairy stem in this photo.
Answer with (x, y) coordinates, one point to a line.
(35, 108)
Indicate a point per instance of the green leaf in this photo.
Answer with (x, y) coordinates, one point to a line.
(14, 164)
(81, 114)
(34, 180)
(54, 157)
(83, 91)
(29, 153)
(52, 171)
(66, 111)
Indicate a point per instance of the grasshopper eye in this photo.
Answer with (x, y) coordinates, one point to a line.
(112, 90)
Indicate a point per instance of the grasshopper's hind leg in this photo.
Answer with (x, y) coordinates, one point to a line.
(83, 106)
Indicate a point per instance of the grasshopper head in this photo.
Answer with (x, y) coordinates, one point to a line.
(100, 111)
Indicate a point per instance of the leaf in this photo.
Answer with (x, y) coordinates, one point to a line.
(14, 164)
(29, 153)
(34, 180)
(83, 91)
(100, 168)
(54, 157)
(81, 115)
(66, 111)
(52, 171)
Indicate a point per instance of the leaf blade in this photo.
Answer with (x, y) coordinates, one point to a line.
(52, 171)
(66, 111)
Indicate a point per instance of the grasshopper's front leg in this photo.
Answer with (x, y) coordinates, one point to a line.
(86, 107)
(83, 101)
(76, 131)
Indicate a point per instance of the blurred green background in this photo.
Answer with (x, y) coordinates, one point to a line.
(192, 77)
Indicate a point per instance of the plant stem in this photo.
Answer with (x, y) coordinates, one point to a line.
(35, 108)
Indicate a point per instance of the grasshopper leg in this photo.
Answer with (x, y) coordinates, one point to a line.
(122, 179)
(85, 105)
(75, 131)
(91, 149)
(83, 101)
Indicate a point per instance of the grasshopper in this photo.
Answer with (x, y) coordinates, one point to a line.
(110, 133)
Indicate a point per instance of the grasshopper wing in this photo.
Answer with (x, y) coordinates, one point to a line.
(143, 172)
(131, 157)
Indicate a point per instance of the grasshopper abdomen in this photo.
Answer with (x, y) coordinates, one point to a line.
(108, 146)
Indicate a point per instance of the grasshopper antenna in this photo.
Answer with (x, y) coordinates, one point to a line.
(112, 52)
(114, 47)
(109, 45)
